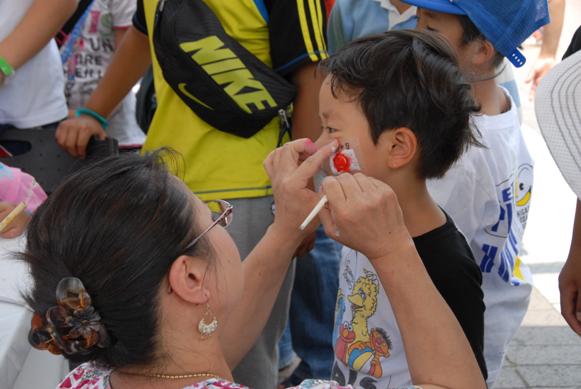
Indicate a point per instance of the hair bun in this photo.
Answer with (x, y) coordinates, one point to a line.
(70, 327)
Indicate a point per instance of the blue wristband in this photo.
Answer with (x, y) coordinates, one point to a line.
(89, 112)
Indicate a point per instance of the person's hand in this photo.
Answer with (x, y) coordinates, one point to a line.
(570, 288)
(363, 213)
(17, 226)
(291, 168)
(74, 134)
(539, 70)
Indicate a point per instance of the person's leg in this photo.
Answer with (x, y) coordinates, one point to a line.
(259, 368)
(312, 313)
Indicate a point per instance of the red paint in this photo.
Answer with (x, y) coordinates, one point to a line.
(342, 163)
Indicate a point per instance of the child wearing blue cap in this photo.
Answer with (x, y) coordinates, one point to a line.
(352, 19)
(488, 191)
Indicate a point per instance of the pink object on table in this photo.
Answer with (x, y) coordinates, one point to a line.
(17, 186)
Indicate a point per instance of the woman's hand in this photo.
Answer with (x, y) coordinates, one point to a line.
(290, 168)
(363, 213)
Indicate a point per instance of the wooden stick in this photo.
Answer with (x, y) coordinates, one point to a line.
(11, 216)
(314, 212)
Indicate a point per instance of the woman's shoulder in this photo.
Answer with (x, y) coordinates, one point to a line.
(86, 376)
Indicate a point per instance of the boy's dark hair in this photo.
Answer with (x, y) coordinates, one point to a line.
(471, 33)
(117, 225)
(409, 79)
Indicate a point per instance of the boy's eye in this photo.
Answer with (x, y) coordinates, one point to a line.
(330, 130)
(431, 29)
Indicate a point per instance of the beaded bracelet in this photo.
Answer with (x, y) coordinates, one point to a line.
(89, 112)
(6, 68)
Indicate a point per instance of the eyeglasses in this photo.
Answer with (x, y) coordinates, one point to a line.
(222, 217)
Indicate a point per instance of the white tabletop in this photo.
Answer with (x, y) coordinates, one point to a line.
(21, 366)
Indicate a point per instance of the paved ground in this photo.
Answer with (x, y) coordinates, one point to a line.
(545, 352)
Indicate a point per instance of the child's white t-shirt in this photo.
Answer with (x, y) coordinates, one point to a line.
(487, 193)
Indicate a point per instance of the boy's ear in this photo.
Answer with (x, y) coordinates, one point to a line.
(186, 279)
(400, 146)
(483, 53)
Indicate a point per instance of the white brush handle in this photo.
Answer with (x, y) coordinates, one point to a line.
(314, 213)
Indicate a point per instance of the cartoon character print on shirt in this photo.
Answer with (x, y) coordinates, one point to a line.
(515, 193)
(523, 190)
(358, 346)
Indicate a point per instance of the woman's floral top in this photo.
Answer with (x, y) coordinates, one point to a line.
(89, 376)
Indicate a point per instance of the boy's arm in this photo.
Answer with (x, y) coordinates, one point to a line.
(570, 278)
(364, 214)
(550, 45)
(38, 26)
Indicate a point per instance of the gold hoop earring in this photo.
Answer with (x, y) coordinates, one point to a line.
(208, 327)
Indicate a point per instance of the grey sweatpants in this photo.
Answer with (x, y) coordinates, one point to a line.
(259, 368)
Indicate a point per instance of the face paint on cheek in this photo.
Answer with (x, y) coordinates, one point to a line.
(344, 161)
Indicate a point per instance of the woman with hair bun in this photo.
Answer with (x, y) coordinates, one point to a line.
(137, 279)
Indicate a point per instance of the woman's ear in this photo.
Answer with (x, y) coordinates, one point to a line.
(399, 146)
(187, 279)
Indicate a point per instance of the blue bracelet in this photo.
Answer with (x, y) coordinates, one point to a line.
(89, 112)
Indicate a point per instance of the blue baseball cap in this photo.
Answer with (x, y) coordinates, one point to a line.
(505, 23)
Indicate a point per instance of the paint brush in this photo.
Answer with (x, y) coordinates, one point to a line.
(314, 213)
(11, 216)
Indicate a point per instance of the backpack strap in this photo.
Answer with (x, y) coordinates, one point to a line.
(64, 33)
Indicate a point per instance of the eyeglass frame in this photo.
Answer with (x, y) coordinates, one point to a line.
(223, 216)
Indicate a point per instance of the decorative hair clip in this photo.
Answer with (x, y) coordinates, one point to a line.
(70, 327)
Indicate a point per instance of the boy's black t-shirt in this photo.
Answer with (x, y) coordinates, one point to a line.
(453, 270)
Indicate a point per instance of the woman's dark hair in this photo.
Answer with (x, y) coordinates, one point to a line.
(117, 226)
(471, 33)
(409, 79)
